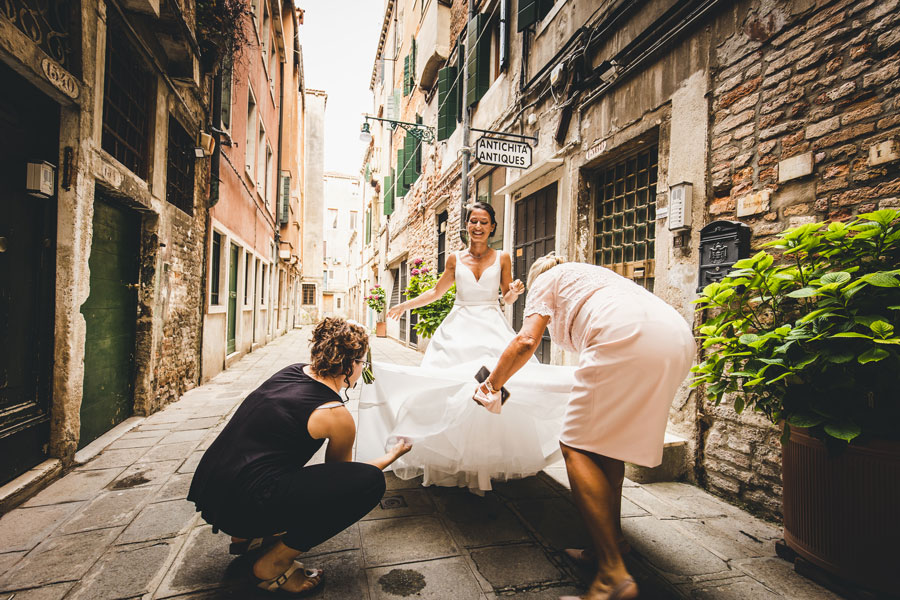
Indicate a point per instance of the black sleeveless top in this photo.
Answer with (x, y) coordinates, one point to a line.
(266, 437)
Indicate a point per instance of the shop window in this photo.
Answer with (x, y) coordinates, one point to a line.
(625, 216)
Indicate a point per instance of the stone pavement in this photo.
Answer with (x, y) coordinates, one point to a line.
(118, 526)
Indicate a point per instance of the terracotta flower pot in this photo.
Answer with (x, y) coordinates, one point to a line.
(841, 508)
(381, 329)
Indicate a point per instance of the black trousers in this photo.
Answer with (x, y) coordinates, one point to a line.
(311, 504)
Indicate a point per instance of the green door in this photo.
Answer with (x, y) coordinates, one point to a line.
(232, 298)
(110, 313)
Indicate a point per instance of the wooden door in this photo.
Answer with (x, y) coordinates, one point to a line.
(110, 313)
(535, 236)
(234, 255)
(327, 304)
(404, 318)
(29, 128)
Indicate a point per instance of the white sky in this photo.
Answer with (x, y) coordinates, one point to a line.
(339, 39)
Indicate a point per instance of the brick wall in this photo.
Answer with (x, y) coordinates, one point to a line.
(802, 91)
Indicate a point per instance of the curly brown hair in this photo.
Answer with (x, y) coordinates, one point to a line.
(335, 345)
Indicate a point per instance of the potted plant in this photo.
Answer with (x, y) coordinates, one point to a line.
(376, 301)
(429, 317)
(806, 332)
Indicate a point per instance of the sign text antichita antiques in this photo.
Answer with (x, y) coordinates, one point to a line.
(503, 153)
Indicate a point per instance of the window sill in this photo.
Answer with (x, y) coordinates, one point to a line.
(545, 22)
(216, 309)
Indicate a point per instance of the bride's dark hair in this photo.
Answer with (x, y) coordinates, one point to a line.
(486, 208)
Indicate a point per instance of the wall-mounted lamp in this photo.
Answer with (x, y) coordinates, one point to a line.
(364, 134)
(417, 130)
(608, 70)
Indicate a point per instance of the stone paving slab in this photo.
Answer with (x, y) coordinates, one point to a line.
(160, 521)
(125, 571)
(480, 521)
(115, 458)
(59, 559)
(204, 563)
(555, 521)
(26, 528)
(664, 545)
(176, 488)
(405, 539)
(111, 509)
(78, 485)
(520, 566)
(148, 473)
(430, 580)
(178, 451)
(402, 503)
(46, 592)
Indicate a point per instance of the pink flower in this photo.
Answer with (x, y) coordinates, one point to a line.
(414, 272)
(423, 270)
(418, 262)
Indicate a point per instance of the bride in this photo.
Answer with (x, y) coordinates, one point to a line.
(455, 441)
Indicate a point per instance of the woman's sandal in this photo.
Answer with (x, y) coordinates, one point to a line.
(585, 558)
(275, 584)
(614, 594)
(250, 545)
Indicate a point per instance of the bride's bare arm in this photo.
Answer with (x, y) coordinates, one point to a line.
(511, 289)
(443, 284)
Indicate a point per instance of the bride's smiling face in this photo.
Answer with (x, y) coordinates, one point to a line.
(479, 225)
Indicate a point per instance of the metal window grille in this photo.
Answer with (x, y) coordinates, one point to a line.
(180, 168)
(127, 101)
(52, 25)
(309, 293)
(625, 216)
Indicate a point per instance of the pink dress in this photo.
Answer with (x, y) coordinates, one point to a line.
(635, 352)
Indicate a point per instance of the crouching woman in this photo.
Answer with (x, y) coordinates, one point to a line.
(254, 482)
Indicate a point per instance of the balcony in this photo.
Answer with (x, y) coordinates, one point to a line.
(433, 42)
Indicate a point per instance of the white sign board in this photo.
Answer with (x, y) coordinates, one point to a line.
(503, 153)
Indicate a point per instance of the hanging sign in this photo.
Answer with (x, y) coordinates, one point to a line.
(503, 153)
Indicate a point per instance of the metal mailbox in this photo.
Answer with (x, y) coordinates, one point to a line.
(722, 243)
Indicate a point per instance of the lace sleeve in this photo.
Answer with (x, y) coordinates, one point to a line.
(541, 298)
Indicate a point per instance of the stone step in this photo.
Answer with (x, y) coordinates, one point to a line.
(675, 463)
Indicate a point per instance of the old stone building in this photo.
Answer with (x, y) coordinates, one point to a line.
(102, 222)
(253, 245)
(767, 113)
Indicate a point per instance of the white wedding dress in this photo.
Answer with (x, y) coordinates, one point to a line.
(456, 442)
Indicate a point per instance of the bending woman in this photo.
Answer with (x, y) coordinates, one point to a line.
(253, 482)
(457, 443)
(635, 352)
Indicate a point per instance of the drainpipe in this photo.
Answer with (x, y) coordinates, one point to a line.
(466, 151)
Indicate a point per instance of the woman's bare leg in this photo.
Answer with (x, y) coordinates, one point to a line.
(596, 483)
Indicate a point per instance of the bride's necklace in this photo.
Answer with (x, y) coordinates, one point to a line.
(477, 256)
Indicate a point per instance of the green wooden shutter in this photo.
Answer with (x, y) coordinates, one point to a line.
(532, 11)
(389, 193)
(401, 173)
(447, 101)
(285, 203)
(406, 75)
(368, 227)
(409, 160)
(418, 160)
(478, 55)
(412, 65)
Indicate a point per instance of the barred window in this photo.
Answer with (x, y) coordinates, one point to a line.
(180, 168)
(127, 102)
(625, 216)
(214, 279)
(309, 293)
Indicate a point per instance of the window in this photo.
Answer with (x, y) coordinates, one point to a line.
(246, 278)
(250, 144)
(353, 216)
(128, 102)
(484, 191)
(180, 168)
(225, 87)
(324, 249)
(266, 24)
(368, 227)
(214, 277)
(625, 216)
(261, 160)
(531, 12)
(309, 293)
(333, 217)
(270, 176)
(338, 300)
(262, 286)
